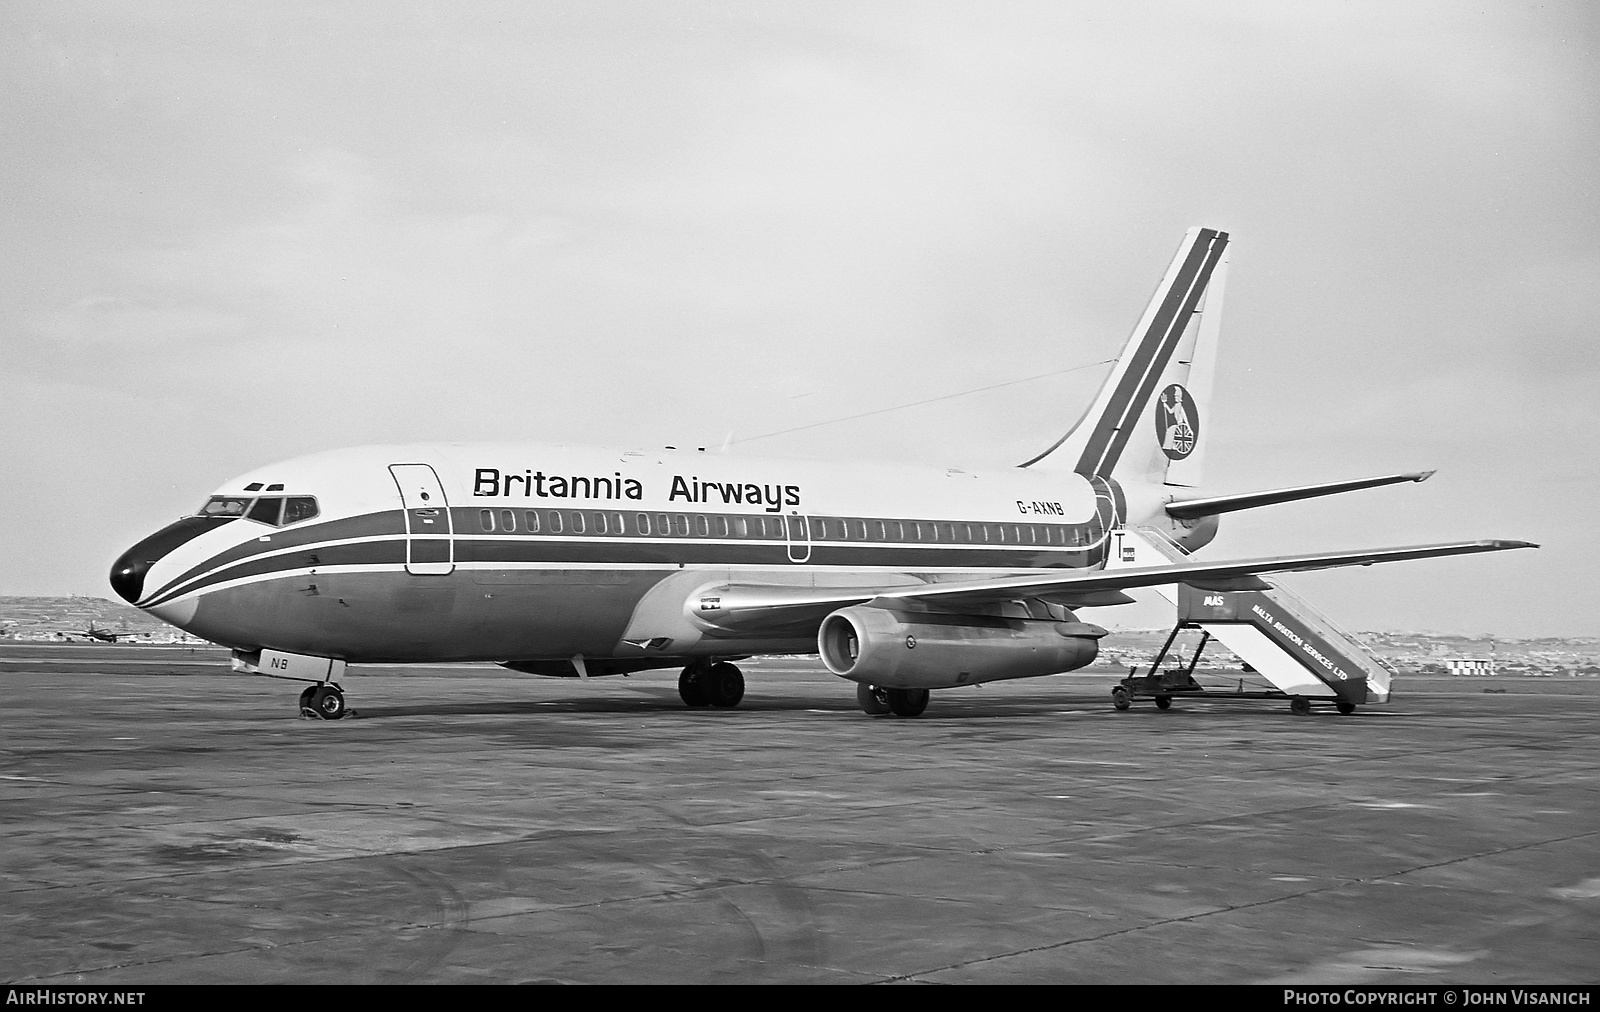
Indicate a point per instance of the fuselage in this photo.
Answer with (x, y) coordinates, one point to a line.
(514, 551)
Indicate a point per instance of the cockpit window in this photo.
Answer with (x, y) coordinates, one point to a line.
(297, 508)
(266, 510)
(280, 511)
(228, 506)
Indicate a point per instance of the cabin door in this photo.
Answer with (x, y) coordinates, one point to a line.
(430, 540)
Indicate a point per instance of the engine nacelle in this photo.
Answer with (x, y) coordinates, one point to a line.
(930, 650)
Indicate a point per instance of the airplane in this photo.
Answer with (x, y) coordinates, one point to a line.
(100, 635)
(570, 561)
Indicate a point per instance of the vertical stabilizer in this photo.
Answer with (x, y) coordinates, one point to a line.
(1147, 422)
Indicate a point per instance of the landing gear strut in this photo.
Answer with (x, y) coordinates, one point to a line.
(324, 701)
(703, 684)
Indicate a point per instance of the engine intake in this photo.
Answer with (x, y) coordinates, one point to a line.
(930, 650)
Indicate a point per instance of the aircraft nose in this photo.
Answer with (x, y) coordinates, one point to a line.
(127, 574)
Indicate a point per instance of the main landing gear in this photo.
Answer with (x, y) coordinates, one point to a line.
(876, 701)
(705, 684)
(325, 701)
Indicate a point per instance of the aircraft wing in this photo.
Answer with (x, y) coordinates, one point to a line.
(739, 608)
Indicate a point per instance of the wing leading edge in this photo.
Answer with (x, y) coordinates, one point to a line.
(749, 607)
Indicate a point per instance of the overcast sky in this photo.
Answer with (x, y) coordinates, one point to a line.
(239, 233)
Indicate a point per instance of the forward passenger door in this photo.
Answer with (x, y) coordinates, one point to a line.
(430, 538)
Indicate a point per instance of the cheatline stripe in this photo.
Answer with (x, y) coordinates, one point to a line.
(310, 538)
(310, 555)
(629, 570)
(368, 552)
(591, 553)
(1150, 358)
(312, 541)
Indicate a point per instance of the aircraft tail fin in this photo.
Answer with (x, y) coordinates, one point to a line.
(1146, 424)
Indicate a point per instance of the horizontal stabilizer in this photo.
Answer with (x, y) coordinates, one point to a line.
(1190, 509)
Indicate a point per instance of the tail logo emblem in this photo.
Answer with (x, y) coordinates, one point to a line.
(1177, 422)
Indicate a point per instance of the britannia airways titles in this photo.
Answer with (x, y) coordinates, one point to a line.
(491, 481)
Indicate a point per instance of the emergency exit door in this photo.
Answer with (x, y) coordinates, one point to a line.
(798, 532)
(430, 540)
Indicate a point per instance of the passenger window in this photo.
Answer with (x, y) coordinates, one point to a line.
(508, 520)
(642, 521)
(577, 522)
(486, 519)
(819, 530)
(617, 525)
(880, 530)
(861, 529)
(897, 530)
(663, 525)
(722, 527)
(701, 527)
(298, 508)
(266, 510)
(600, 524)
(741, 527)
(680, 526)
(557, 521)
(530, 521)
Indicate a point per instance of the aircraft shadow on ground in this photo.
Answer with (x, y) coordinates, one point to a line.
(667, 702)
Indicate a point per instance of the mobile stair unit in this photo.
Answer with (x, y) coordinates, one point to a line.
(1305, 657)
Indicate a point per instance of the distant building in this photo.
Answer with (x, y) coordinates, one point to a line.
(1469, 665)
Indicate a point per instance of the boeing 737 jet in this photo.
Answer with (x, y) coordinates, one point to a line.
(571, 561)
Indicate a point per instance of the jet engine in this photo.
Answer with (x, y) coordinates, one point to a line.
(933, 650)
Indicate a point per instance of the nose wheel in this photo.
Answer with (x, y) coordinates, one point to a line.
(325, 702)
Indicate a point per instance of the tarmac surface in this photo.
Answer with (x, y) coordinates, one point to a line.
(164, 821)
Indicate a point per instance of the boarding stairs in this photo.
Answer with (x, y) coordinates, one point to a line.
(1303, 655)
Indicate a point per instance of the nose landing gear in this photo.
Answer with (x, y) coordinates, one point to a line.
(324, 702)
